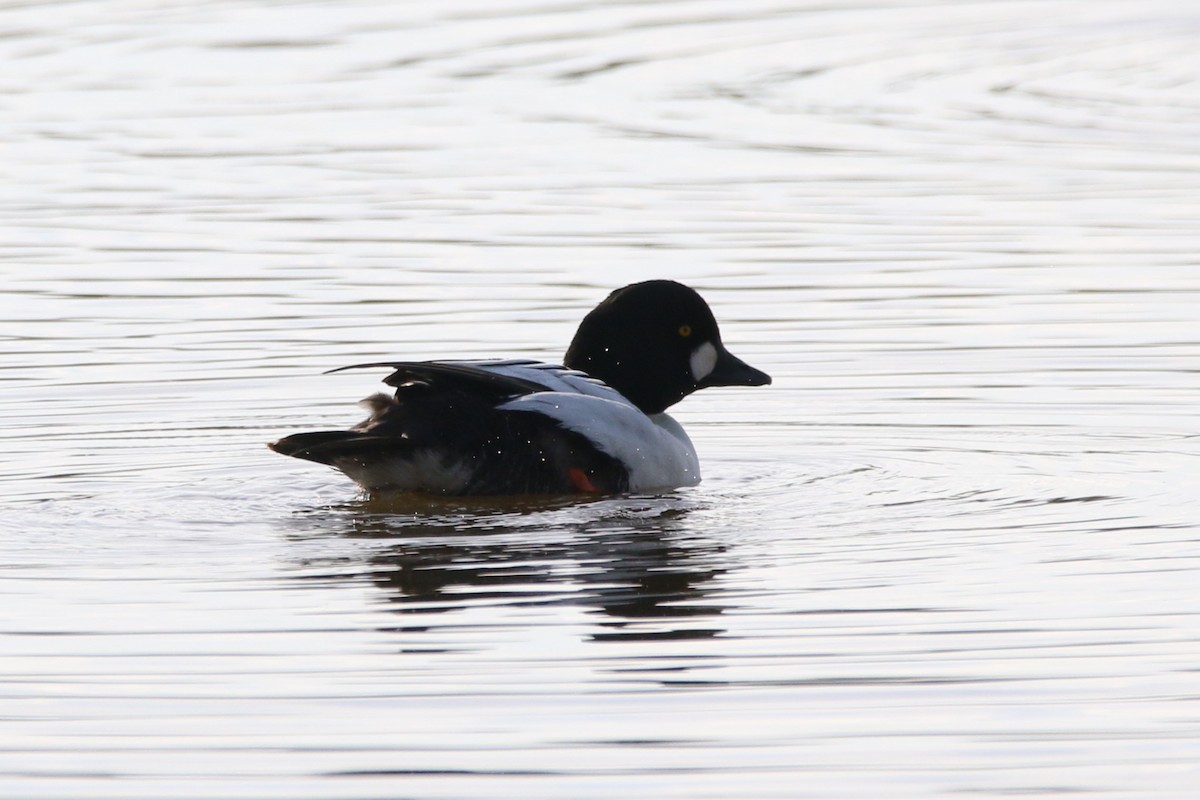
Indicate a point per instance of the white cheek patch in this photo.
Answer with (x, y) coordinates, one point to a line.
(702, 362)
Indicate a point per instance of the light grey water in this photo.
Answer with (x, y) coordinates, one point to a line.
(953, 551)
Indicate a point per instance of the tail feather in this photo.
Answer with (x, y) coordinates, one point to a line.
(379, 463)
(327, 447)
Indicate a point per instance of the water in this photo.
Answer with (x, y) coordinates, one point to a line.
(951, 552)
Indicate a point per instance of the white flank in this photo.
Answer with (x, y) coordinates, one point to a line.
(702, 362)
(655, 450)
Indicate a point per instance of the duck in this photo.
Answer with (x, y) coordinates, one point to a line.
(596, 424)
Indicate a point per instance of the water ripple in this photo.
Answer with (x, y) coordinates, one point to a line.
(951, 549)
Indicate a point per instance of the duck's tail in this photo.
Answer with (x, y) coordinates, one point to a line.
(326, 447)
(330, 447)
(379, 463)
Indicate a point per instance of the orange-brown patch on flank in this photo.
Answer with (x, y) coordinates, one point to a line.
(580, 480)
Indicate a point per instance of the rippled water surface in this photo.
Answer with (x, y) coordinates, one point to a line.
(952, 551)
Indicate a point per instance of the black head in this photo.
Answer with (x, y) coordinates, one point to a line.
(657, 342)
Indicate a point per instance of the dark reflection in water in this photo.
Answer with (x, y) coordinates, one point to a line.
(635, 562)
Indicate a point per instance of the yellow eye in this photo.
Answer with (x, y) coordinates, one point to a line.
(685, 331)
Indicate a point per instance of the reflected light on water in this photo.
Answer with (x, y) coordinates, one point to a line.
(952, 550)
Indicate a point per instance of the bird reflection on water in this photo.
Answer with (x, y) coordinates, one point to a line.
(632, 560)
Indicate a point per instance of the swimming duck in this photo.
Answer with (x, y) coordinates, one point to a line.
(594, 425)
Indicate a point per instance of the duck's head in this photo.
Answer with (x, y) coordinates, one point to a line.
(656, 342)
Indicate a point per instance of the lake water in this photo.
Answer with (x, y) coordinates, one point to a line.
(953, 551)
